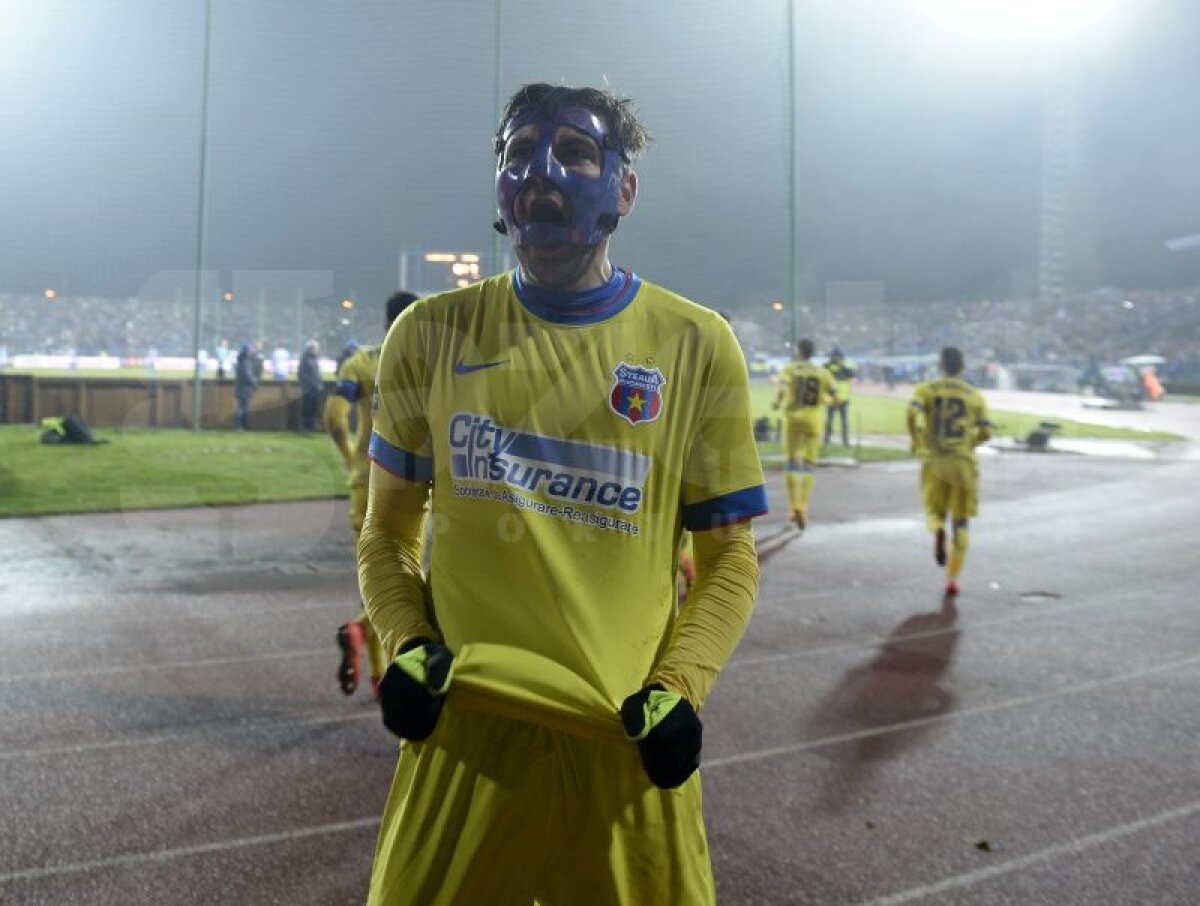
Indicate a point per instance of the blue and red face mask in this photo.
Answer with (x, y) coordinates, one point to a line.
(591, 200)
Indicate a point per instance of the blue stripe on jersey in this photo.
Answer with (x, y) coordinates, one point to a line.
(623, 464)
(348, 389)
(399, 462)
(588, 307)
(733, 507)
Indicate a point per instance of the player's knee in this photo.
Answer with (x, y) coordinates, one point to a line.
(961, 537)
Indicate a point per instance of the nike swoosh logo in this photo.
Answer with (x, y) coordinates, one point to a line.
(461, 367)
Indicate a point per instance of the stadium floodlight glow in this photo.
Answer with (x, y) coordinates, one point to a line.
(228, 297)
(459, 269)
(347, 304)
(441, 257)
(777, 305)
(1007, 24)
(51, 294)
(1183, 243)
(469, 257)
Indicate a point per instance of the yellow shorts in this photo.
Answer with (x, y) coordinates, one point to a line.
(492, 809)
(950, 484)
(802, 438)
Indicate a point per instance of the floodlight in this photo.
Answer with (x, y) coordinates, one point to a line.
(1022, 22)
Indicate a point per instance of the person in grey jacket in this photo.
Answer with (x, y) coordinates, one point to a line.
(311, 385)
(247, 371)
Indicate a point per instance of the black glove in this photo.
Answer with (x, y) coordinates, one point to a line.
(414, 688)
(668, 733)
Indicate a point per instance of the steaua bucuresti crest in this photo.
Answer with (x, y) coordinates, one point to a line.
(636, 395)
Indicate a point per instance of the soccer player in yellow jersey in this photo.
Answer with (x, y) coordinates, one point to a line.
(947, 420)
(805, 389)
(355, 388)
(570, 420)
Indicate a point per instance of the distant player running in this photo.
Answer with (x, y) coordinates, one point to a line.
(805, 389)
(947, 419)
(356, 387)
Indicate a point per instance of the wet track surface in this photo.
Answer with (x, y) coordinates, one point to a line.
(171, 731)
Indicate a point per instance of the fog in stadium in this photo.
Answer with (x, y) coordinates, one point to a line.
(1018, 179)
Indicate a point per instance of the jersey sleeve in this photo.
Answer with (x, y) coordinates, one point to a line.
(348, 386)
(784, 386)
(981, 430)
(400, 440)
(920, 399)
(982, 419)
(722, 479)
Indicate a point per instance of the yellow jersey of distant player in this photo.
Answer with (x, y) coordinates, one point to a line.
(806, 389)
(567, 453)
(954, 416)
(356, 383)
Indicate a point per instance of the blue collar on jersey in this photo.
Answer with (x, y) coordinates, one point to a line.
(588, 307)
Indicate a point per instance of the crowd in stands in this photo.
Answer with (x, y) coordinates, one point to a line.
(135, 328)
(1078, 330)
(1098, 327)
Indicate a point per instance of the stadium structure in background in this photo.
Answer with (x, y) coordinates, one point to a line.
(426, 271)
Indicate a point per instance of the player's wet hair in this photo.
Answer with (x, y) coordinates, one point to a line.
(545, 101)
(952, 360)
(806, 348)
(397, 302)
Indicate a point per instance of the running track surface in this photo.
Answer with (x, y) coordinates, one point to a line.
(171, 732)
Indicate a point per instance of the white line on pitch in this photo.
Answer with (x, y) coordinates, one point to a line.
(162, 855)
(793, 748)
(235, 725)
(1073, 847)
(174, 665)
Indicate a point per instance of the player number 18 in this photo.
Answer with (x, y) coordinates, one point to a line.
(806, 391)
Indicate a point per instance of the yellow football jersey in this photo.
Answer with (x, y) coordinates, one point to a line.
(807, 388)
(954, 413)
(356, 382)
(567, 452)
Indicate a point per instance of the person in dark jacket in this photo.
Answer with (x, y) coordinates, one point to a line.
(245, 382)
(311, 385)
